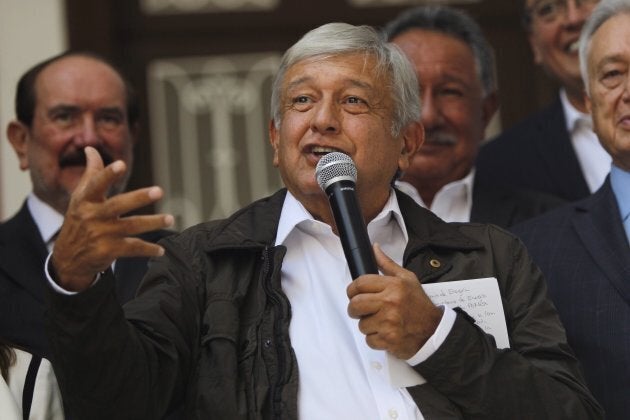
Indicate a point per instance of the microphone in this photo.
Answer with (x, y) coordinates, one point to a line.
(337, 175)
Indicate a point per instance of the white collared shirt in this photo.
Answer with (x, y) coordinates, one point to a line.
(452, 203)
(339, 375)
(593, 158)
(47, 219)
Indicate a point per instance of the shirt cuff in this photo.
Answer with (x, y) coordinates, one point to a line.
(435, 341)
(54, 284)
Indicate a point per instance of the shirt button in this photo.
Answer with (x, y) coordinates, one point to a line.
(393, 414)
(377, 366)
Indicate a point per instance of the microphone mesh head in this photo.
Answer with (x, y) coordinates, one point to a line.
(335, 166)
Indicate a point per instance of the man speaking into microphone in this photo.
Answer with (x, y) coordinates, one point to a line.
(257, 317)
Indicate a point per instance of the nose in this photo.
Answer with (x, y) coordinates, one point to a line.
(87, 134)
(576, 14)
(431, 116)
(326, 119)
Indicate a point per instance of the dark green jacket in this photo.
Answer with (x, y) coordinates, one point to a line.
(209, 328)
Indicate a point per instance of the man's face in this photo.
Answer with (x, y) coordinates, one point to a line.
(554, 42)
(454, 110)
(79, 102)
(609, 84)
(340, 104)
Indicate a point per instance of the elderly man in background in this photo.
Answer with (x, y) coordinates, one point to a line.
(583, 248)
(257, 315)
(554, 150)
(62, 105)
(456, 71)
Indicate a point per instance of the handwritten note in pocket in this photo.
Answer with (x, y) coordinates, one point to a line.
(480, 298)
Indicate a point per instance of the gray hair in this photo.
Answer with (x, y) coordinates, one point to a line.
(454, 23)
(604, 11)
(334, 39)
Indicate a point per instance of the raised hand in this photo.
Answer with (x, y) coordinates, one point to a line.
(95, 233)
(394, 312)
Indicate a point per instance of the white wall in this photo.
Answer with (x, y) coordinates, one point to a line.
(30, 31)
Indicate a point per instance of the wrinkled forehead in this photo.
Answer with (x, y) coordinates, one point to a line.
(360, 68)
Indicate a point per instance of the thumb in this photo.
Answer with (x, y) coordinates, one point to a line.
(97, 179)
(93, 160)
(387, 266)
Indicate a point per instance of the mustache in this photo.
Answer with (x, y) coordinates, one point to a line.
(76, 157)
(440, 138)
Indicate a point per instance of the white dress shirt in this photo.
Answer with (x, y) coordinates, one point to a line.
(452, 203)
(593, 159)
(341, 377)
(47, 219)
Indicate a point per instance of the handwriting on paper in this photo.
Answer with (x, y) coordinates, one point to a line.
(480, 298)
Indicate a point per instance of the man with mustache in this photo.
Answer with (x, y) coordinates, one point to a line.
(455, 68)
(554, 150)
(62, 105)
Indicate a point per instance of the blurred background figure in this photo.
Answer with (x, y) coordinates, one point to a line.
(583, 248)
(456, 71)
(554, 150)
(28, 387)
(62, 105)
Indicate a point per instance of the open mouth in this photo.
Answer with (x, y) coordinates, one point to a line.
(573, 47)
(321, 151)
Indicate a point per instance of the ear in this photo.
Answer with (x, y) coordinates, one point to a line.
(489, 107)
(19, 137)
(274, 139)
(412, 139)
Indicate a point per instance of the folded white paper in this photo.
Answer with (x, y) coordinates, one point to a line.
(480, 298)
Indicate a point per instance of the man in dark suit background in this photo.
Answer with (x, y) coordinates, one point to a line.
(583, 248)
(554, 150)
(455, 67)
(62, 105)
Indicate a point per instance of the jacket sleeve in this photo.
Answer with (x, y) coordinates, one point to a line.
(538, 377)
(132, 364)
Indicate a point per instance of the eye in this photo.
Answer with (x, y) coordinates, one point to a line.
(355, 104)
(64, 117)
(547, 9)
(110, 120)
(451, 91)
(612, 77)
(301, 102)
(355, 100)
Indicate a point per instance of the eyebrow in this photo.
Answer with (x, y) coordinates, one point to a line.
(615, 58)
(63, 107)
(76, 109)
(354, 82)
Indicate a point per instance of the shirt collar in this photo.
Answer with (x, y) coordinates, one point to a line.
(572, 115)
(620, 183)
(47, 219)
(293, 213)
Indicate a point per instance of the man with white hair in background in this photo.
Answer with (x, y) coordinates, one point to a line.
(583, 249)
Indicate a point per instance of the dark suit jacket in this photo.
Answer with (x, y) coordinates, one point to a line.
(505, 207)
(536, 154)
(584, 254)
(23, 283)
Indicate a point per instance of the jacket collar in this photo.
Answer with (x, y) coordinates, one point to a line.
(256, 225)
